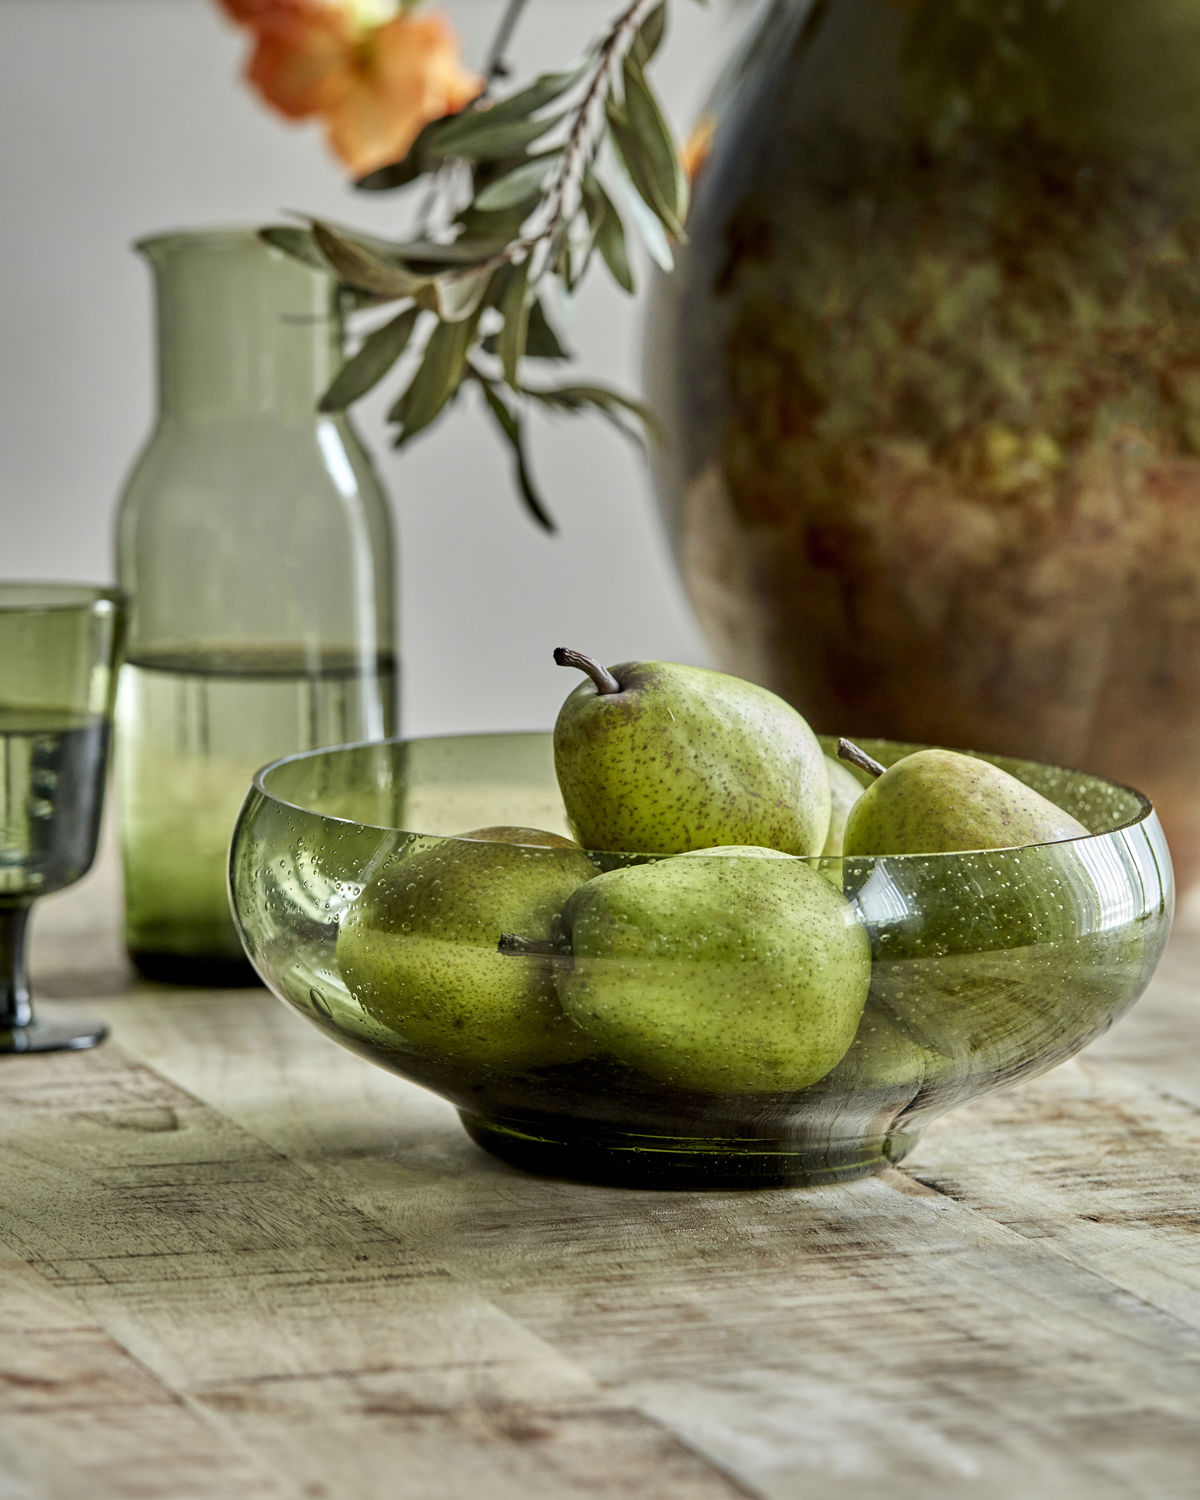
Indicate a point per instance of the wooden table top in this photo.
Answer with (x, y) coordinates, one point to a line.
(241, 1262)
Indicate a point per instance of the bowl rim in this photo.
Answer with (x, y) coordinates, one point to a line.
(1146, 809)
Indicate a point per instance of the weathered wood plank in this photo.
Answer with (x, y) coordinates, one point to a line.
(432, 1434)
(79, 1416)
(1103, 1168)
(307, 1334)
(865, 1334)
(1159, 1041)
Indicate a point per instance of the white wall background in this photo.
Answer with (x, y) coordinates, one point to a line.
(121, 117)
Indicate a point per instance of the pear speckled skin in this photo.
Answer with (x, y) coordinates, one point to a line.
(744, 974)
(991, 960)
(686, 758)
(418, 949)
(938, 801)
(881, 1073)
(983, 959)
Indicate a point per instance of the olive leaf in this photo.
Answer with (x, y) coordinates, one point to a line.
(431, 258)
(585, 248)
(611, 404)
(494, 141)
(300, 244)
(544, 89)
(296, 242)
(437, 380)
(376, 355)
(489, 230)
(513, 307)
(359, 263)
(520, 186)
(561, 260)
(510, 426)
(650, 36)
(608, 232)
(459, 295)
(648, 151)
(542, 340)
(479, 127)
(463, 134)
(648, 224)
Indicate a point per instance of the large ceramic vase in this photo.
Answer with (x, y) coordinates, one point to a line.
(930, 368)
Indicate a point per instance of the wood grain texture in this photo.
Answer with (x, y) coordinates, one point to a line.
(239, 1261)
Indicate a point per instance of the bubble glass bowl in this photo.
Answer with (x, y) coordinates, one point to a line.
(986, 967)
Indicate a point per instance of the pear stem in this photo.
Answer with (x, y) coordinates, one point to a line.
(601, 676)
(848, 750)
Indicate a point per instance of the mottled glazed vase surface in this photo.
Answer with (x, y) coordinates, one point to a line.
(930, 366)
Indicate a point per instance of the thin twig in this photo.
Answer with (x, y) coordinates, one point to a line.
(581, 144)
(496, 65)
(557, 205)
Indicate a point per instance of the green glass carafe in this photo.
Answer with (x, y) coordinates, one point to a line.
(255, 542)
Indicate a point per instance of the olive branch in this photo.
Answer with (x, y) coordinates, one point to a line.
(520, 198)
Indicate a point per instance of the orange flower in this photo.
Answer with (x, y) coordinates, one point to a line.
(374, 85)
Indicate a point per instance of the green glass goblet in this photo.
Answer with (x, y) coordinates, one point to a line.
(60, 645)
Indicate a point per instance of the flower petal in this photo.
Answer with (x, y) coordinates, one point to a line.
(303, 67)
(421, 53)
(408, 73)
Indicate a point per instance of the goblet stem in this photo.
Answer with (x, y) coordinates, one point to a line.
(19, 1032)
(16, 1007)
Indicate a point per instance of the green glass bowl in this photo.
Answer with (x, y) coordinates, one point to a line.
(986, 967)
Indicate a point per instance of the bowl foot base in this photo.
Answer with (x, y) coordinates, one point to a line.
(692, 1163)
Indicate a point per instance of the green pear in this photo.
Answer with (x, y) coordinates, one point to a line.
(740, 974)
(844, 791)
(1001, 962)
(860, 1101)
(883, 1063)
(1008, 885)
(993, 948)
(937, 801)
(657, 758)
(419, 950)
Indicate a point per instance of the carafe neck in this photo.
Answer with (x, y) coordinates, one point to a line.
(244, 331)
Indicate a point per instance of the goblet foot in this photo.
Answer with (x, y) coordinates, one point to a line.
(51, 1036)
(587, 1152)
